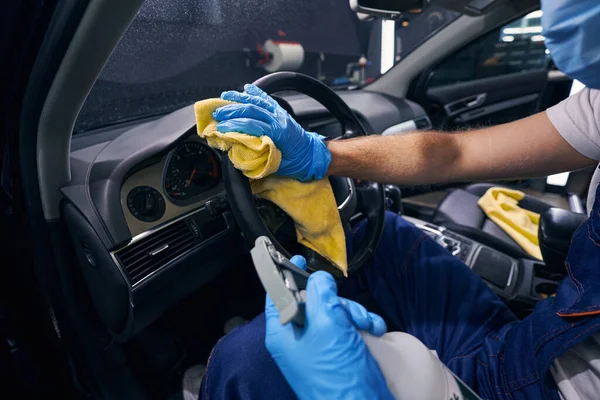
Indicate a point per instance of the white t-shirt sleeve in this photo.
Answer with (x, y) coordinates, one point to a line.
(577, 119)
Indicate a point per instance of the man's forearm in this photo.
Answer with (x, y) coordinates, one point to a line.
(415, 158)
(525, 148)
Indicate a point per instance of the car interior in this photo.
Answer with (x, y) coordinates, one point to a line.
(142, 231)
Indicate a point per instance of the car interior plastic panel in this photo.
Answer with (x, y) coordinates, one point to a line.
(122, 155)
(515, 280)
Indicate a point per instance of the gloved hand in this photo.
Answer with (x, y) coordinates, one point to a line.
(304, 155)
(327, 358)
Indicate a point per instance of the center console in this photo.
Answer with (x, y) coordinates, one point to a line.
(521, 283)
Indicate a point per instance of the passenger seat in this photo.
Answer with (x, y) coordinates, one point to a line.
(460, 213)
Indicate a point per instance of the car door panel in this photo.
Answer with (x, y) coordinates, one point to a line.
(499, 77)
(490, 100)
(558, 88)
(496, 89)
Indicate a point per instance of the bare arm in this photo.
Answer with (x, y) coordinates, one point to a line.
(526, 148)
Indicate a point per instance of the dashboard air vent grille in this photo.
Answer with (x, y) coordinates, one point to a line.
(148, 255)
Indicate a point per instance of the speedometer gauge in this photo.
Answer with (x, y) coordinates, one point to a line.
(192, 169)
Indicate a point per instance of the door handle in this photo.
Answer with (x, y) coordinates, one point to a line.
(477, 100)
(464, 104)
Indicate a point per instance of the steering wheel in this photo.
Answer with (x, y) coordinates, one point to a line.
(366, 198)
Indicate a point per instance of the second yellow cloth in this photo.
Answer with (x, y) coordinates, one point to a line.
(501, 206)
(311, 205)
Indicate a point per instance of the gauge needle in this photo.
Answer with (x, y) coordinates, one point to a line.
(189, 182)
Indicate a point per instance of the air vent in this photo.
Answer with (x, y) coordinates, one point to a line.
(423, 123)
(148, 255)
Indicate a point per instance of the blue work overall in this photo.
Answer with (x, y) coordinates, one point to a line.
(432, 295)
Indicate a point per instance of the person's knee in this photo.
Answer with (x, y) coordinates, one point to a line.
(240, 367)
(241, 348)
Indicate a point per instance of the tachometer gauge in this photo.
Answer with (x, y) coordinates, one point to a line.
(192, 169)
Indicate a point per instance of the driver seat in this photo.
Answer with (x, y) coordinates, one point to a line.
(460, 213)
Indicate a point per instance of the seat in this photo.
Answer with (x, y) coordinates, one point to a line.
(460, 213)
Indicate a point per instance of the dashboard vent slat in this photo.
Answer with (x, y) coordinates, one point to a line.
(172, 235)
(144, 271)
(156, 250)
(163, 255)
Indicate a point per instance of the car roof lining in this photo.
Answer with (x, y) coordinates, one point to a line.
(102, 26)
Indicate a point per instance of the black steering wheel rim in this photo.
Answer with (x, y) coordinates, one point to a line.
(239, 192)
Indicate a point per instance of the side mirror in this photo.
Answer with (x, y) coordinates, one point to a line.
(387, 8)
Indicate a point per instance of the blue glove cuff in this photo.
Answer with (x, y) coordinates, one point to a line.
(321, 158)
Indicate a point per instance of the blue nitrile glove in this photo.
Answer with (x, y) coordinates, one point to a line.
(304, 154)
(327, 358)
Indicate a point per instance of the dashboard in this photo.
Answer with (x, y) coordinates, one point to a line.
(147, 210)
(182, 179)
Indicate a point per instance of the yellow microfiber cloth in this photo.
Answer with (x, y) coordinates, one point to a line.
(311, 205)
(501, 206)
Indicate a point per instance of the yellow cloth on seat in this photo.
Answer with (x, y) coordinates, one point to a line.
(501, 206)
(311, 205)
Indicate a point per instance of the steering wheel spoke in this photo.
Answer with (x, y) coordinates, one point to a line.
(345, 196)
(366, 193)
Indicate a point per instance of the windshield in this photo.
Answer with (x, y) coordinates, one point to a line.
(179, 51)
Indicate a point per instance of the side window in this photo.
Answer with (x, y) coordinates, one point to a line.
(516, 47)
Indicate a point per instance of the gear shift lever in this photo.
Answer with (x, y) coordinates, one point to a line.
(557, 227)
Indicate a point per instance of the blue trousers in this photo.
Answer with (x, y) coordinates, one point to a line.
(427, 293)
